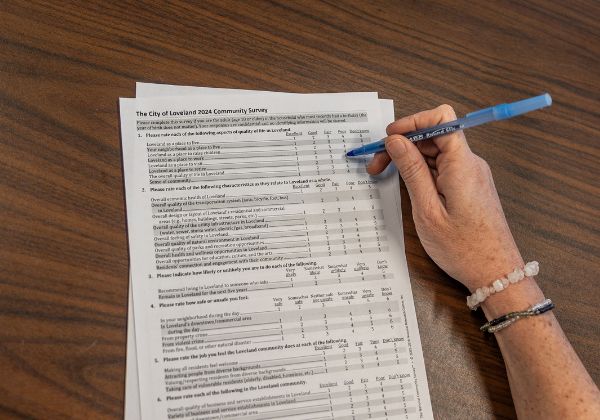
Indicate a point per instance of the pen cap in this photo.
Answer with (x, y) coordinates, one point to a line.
(513, 109)
(503, 111)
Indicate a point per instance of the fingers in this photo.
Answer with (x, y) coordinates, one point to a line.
(423, 119)
(454, 142)
(451, 146)
(431, 162)
(416, 174)
(379, 162)
(428, 148)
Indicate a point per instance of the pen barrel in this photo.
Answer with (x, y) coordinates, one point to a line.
(483, 116)
(440, 130)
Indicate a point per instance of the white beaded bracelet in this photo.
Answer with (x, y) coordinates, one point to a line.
(481, 294)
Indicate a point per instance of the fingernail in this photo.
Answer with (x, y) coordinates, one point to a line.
(395, 146)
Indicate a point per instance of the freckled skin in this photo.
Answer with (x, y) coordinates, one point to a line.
(462, 227)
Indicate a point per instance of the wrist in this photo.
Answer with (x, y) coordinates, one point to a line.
(490, 269)
(516, 297)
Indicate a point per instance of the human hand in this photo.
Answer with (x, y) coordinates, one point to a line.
(455, 205)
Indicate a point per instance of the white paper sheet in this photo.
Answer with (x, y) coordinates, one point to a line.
(411, 399)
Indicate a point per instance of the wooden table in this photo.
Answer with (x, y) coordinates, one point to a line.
(63, 236)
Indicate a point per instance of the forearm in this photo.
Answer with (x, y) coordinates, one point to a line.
(461, 225)
(546, 377)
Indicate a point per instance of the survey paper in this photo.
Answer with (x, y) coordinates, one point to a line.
(132, 402)
(264, 264)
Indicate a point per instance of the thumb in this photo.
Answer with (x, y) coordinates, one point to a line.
(414, 171)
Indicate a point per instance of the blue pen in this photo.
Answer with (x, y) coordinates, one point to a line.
(494, 113)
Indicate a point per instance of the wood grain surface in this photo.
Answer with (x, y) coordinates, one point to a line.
(63, 237)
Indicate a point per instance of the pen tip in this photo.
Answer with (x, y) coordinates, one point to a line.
(350, 153)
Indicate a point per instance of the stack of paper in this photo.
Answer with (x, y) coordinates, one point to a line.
(268, 277)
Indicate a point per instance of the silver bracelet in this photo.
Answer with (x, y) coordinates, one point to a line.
(504, 321)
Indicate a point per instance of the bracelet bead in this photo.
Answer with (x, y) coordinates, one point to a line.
(532, 268)
(515, 276)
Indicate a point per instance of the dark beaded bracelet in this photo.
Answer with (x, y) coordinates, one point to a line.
(505, 320)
